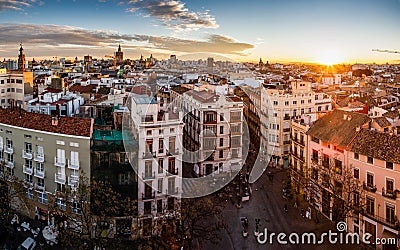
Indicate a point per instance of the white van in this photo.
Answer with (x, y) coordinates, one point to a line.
(28, 244)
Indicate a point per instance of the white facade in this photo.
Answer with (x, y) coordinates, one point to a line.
(11, 89)
(277, 109)
(158, 132)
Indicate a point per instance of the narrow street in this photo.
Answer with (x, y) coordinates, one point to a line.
(267, 204)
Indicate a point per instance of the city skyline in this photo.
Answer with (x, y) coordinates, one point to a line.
(327, 32)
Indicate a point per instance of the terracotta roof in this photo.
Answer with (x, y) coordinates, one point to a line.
(83, 89)
(391, 114)
(378, 145)
(338, 127)
(382, 121)
(42, 122)
(51, 90)
(203, 96)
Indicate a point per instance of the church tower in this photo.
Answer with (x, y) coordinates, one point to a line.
(21, 59)
(119, 56)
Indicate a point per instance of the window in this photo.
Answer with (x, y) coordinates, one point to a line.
(302, 101)
(171, 186)
(159, 206)
(40, 182)
(160, 165)
(221, 142)
(389, 186)
(390, 214)
(171, 144)
(314, 156)
(124, 179)
(60, 142)
(9, 143)
(221, 117)
(160, 185)
(171, 165)
(29, 193)
(325, 161)
(221, 129)
(148, 132)
(294, 102)
(76, 207)
(275, 103)
(315, 174)
(286, 103)
(319, 109)
(356, 156)
(338, 166)
(370, 160)
(60, 203)
(43, 198)
(236, 116)
(160, 131)
(235, 141)
(28, 178)
(160, 145)
(356, 173)
(147, 207)
(370, 180)
(60, 156)
(74, 144)
(18, 90)
(74, 158)
(148, 169)
(389, 165)
(221, 154)
(370, 206)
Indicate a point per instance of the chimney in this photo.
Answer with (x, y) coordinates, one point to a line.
(54, 121)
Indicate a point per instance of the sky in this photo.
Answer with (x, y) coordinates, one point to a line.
(275, 30)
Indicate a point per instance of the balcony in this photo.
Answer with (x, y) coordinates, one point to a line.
(171, 152)
(9, 149)
(389, 194)
(38, 157)
(27, 169)
(59, 178)
(148, 195)
(148, 176)
(27, 154)
(172, 191)
(172, 171)
(369, 187)
(59, 162)
(149, 155)
(286, 142)
(298, 141)
(286, 129)
(10, 164)
(39, 173)
(73, 165)
(73, 180)
(40, 187)
(390, 222)
(286, 117)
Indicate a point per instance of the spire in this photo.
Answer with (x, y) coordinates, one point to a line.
(119, 47)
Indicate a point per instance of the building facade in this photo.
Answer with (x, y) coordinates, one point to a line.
(48, 154)
(11, 89)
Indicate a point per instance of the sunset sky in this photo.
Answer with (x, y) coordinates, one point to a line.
(275, 30)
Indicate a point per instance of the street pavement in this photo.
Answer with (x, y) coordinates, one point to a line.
(267, 204)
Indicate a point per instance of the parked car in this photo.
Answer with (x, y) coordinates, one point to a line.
(28, 244)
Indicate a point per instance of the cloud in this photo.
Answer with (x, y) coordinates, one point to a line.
(173, 14)
(17, 5)
(43, 39)
(214, 44)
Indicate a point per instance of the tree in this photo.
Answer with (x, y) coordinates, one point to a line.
(341, 192)
(12, 194)
(201, 218)
(89, 210)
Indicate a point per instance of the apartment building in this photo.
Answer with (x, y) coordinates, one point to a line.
(328, 169)
(11, 89)
(277, 108)
(157, 131)
(213, 128)
(47, 154)
(375, 161)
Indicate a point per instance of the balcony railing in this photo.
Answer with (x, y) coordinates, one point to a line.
(27, 154)
(10, 164)
(59, 162)
(27, 169)
(73, 165)
(9, 150)
(73, 180)
(369, 187)
(172, 191)
(39, 173)
(392, 194)
(148, 195)
(172, 152)
(286, 129)
(297, 140)
(148, 176)
(59, 178)
(38, 157)
(148, 155)
(40, 187)
(390, 222)
(286, 142)
(172, 171)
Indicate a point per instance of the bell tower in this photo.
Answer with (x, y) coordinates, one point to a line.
(21, 59)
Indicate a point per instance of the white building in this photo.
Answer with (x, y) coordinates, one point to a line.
(214, 128)
(11, 89)
(158, 132)
(277, 109)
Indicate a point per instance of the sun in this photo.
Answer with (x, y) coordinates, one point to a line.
(329, 57)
